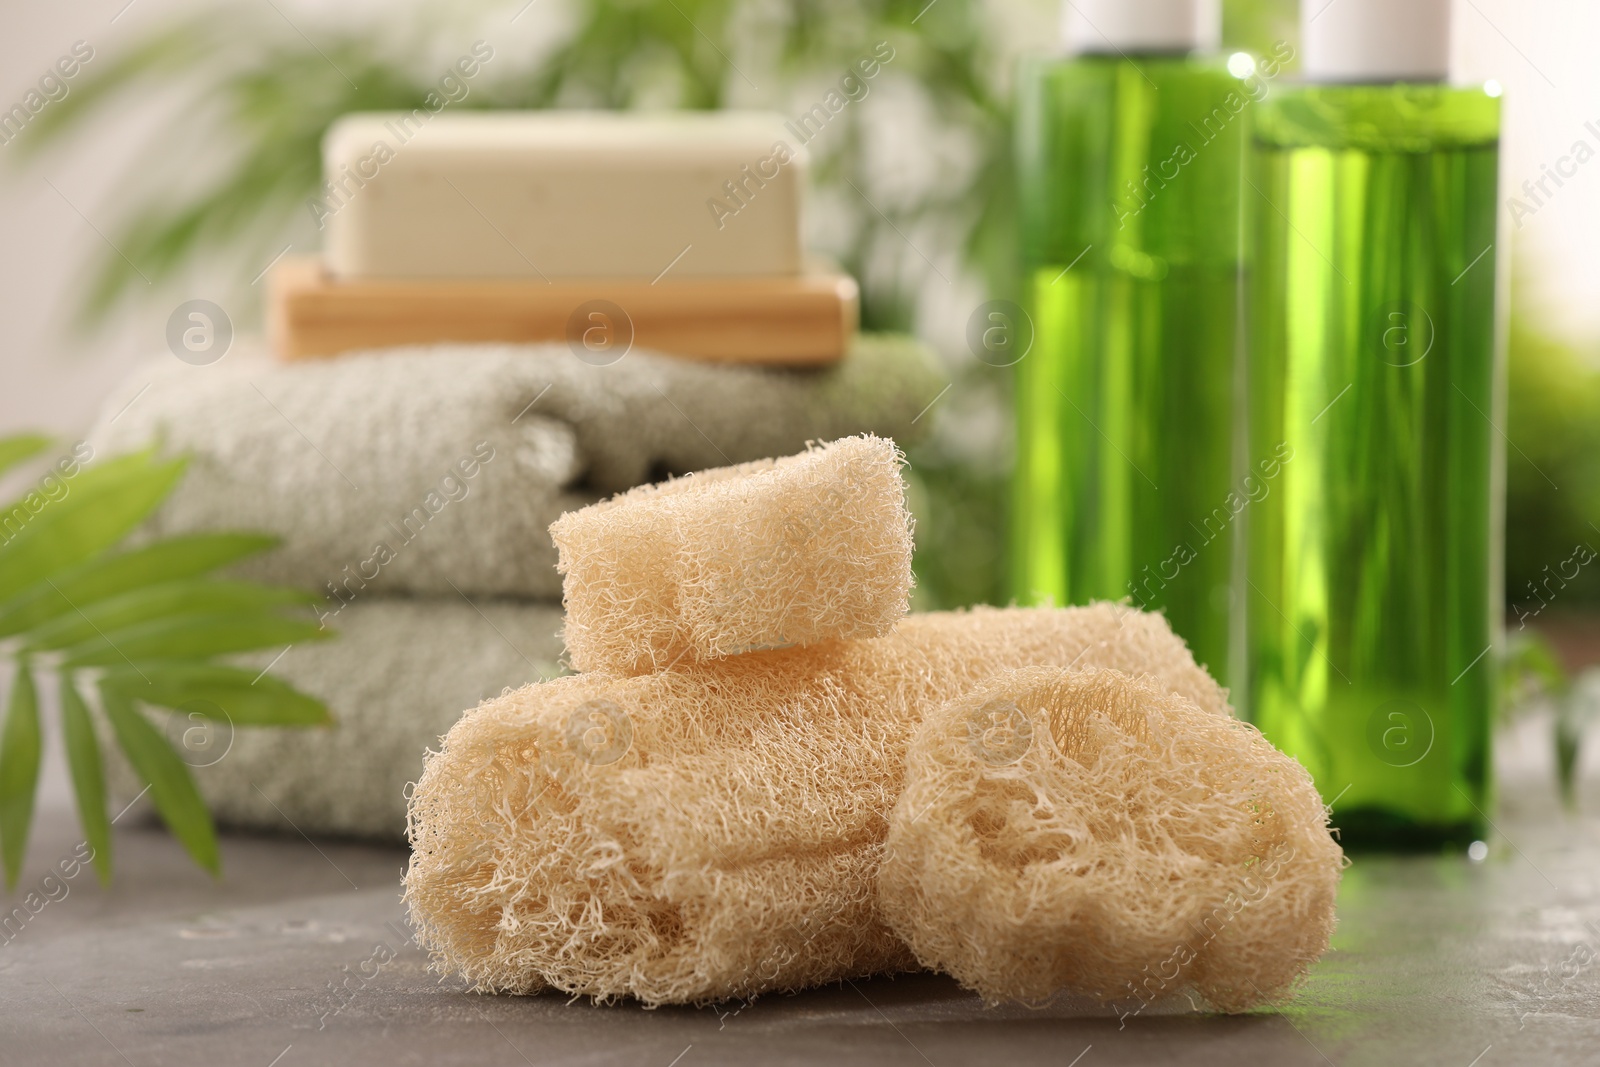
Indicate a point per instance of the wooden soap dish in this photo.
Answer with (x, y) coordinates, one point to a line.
(803, 320)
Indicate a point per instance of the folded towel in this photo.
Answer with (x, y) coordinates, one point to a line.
(396, 680)
(437, 470)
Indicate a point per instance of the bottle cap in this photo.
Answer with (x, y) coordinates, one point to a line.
(1375, 40)
(1141, 25)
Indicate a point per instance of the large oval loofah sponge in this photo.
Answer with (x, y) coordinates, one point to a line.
(1094, 831)
(771, 554)
(715, 830)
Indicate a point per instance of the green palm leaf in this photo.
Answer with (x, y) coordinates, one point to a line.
(192, 637)
(163, 601)
(88, 774)
(173, 791)
(108, 576)
(141, 627)
(19, 769)
(245, 697)
(101, 506)
(14, 450)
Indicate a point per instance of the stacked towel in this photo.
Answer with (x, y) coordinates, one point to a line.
(396, 679)
(414, 488)
(337, 456)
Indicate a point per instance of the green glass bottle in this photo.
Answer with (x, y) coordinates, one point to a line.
(1130, 162)
(1372, 590)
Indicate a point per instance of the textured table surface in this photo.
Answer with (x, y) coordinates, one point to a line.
(1437, 960)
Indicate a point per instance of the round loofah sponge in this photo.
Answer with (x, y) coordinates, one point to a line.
(714, 830)
(1096, 832)
(777, 553)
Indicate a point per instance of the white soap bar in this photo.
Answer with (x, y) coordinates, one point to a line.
(560, 194)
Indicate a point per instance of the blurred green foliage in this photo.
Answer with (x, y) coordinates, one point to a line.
(899, 217)
(1533, 679)
(261, 89)
(1552, 474)
(267, 93)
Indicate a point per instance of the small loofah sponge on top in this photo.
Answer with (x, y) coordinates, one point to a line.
(1098, 832)
(777, 553)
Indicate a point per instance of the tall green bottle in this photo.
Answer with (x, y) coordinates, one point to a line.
(1130, 152)
(1372, 590)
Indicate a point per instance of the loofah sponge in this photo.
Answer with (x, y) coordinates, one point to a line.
(1098, 832)
(715, 830)
(776, 553)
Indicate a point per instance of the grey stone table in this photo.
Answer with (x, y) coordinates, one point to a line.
(299, 955)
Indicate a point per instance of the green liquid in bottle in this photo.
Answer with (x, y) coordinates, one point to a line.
(1372, 594)
(1131, 171)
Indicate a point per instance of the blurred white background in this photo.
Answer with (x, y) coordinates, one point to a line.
(53, 213)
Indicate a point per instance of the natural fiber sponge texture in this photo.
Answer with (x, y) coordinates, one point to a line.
(1095, 832)
(715, 830)
(771, 554)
